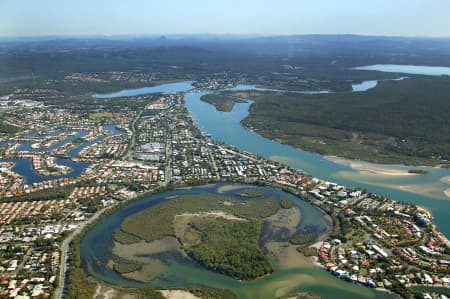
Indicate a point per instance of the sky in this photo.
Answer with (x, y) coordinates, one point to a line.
(264, 17)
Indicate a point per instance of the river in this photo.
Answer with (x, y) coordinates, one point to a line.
(389, 180)
(96, 251)
(425, 190)
(407, 69)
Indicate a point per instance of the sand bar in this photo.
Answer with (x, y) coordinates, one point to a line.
(178, 294)
(378, 169)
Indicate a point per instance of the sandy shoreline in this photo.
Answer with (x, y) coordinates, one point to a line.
(445, 179)
(425, 210)
(370, 173)
(228, 188)
(447, 192)
(378, 169)
(431, 190)
(217, 214)
(177, 294)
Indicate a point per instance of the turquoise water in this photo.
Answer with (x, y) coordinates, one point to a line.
(96, 251)
(364, 86)
(226, 127)
(171, 87)
(407, 69)
(113, 132)
(252, 87)
(24, 167)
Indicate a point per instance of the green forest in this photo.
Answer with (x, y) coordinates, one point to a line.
(221, 101)
(227, 246)
(230, 247)
(406, 121)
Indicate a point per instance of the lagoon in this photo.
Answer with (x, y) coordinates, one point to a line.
(226, 127)
(24, 167)
(170, 87)
(407, 69)
(364, 86)
(96, 251)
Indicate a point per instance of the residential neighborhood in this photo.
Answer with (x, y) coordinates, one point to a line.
(69, 167)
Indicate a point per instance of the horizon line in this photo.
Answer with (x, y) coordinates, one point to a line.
(143, 35)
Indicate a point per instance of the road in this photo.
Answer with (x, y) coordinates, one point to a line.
(214, 165)
(168, 169)
(65, 249)
(66, 243)
(133, 136)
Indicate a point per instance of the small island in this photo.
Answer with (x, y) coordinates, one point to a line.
(217, 232)
(418, 171)
(249, 193)
(222, 101)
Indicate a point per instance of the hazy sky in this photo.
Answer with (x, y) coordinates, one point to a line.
(113, 17)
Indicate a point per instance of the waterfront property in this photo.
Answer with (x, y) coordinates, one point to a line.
(369, 232)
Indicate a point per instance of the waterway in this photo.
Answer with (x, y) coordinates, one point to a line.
(171, 87)
(407, 69)
(364, 86)
(24, 167)
(113, 131)
(424, 190)
(255, 88)
(96, 251)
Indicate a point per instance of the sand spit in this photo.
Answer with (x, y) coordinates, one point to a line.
(227, 188)
(447, 192)
(102, 292)
(379, 169)
(139, 250)
(177, 294)
(217, 214)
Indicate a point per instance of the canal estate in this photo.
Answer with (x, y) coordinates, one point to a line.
(347, 223)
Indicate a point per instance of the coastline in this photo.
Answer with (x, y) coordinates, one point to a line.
(431, 190)
(372, 168)
(447, 192)
(372, 174)
(101, 214)
(370, 171)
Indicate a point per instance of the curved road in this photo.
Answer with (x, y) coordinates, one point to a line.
(65, 249)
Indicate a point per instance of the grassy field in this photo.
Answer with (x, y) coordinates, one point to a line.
(249, 193)
(125, 238)
(100, 115)
(157, 222)
(123, 268)
(404, 121)
(6, 127)
(286, 203)
(218, 232)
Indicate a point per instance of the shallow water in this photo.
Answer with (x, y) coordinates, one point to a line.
(407, 69)
(96, 250)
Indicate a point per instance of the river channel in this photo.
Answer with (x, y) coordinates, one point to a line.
(97, 246)
(424, 190)
(24, 167)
